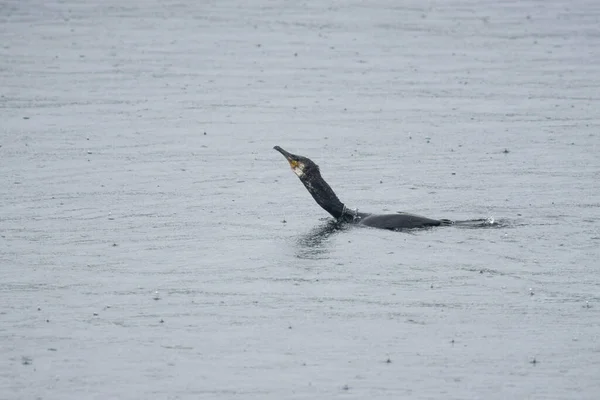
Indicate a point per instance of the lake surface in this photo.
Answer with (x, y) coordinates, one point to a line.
(153, 245)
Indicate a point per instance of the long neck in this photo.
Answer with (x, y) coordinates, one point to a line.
(323, 194)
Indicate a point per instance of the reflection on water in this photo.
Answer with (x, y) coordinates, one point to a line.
(313, 245)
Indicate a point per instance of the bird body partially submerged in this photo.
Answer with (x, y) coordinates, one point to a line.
(310, 176)
(402, 221)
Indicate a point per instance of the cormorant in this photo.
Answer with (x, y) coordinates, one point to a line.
(310, 176)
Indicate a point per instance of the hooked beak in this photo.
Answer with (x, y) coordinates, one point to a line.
(289, 156)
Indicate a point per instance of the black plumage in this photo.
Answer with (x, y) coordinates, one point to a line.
(310, 176)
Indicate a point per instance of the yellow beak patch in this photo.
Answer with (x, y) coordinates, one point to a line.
(297, 167)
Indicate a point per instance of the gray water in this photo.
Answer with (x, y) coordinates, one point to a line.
(143, 248)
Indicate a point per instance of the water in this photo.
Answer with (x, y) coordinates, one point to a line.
(143, 251)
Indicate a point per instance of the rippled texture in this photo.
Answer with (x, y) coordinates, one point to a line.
(153, 245)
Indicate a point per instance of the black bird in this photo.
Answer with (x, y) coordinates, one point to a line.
(309, 174)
